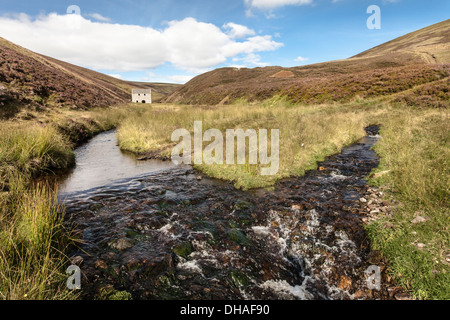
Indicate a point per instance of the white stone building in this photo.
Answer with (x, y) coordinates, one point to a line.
(141, 95)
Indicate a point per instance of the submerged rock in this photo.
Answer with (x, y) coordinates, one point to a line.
(122, 244)
(184, 249)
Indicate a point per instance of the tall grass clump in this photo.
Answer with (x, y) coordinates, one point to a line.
(28, 148)
(32, 239)
(415, 149)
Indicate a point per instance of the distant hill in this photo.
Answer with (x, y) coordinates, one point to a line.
(397, 68)
(34, 80)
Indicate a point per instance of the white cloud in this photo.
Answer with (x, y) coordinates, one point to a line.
(237, 31)
(272, 4)
(188, 44)
(252, 44)
(301, 59)
(99, 17)
(251, 60)
(195, 45)
(148, 76)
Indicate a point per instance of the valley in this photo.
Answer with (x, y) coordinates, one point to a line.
(362, 180)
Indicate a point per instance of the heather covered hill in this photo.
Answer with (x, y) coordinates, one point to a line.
(42, 81)
(418, 59)
(37, 81)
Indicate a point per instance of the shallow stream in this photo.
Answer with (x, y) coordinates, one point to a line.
(159, 232)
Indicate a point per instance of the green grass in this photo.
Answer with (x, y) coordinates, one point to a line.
(32, 239)
(415, 148)
(33, 242)
(28, 148)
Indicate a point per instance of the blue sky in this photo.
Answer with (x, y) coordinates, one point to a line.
(175, 40)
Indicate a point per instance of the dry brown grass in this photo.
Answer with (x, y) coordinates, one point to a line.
(431, 43)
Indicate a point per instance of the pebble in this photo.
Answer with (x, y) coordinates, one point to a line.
(403, 296)
(101, 264)
(77, 260)
(146, 270)
(122, 244)
(360, 295)
(345, 283)
(420, 245)
(418, 219)
(388, 225)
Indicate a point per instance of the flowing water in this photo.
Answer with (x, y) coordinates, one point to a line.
(100, 162)
(159, 232)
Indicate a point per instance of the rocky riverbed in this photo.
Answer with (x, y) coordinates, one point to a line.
(176, 234)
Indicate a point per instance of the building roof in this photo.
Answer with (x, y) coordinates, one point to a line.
(141, 91)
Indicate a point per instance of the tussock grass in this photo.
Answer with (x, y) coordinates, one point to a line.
(32, 240)
(415, 148)
(307, 134)
(27, 148)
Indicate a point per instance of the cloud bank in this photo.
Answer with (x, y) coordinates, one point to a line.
(188, 44)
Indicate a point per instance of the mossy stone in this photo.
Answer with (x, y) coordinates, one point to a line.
(184, 249)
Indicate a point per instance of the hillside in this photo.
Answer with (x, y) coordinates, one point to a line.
(28, 79)
(398, 68)
(431, 43)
